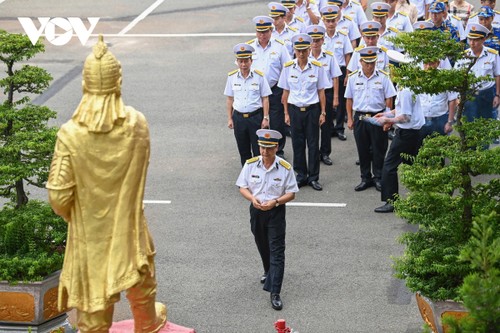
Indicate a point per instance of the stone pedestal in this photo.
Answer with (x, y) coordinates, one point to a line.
(433, 312)
(127, 326)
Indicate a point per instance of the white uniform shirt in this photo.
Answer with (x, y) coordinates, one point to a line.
(302, 12)
(437, 104)
(487, 64)
(400, 22)
(389, 32)
(268, 184)
(420, 4)
(347, 25)
(298, 23)
(270, 60)
(369, 94)
(382, 60)
(457, 23)
(339, 44)
(286, 37)
(330, 66)
(247, 93)
(406, 104)
(355, 11)
(303, 85)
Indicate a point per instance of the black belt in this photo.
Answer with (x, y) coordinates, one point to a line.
(248, 114)
(365, 113)
(304, 108)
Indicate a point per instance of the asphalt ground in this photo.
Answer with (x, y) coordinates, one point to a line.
(338, 275)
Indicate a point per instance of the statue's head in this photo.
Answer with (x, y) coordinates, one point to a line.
(102, 73)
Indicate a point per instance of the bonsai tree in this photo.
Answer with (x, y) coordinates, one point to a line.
(448, 183)
(31, 236)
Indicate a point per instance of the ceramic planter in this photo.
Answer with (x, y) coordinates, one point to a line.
(33, 306)
(433, 312)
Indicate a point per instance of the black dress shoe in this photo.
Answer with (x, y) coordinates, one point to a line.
(315, 185)
(326, 159)
(357, 162)
(276, 302)
(378, 186)
(363, 186)
(387, 208)
(263, 278)
(301, 184)
(342, 136)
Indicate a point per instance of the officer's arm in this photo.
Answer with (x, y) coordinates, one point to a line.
(229, 110)
(388, 103)
(284, 100)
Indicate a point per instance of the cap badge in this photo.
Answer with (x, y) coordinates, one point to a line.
(267, 135)
(261, 21)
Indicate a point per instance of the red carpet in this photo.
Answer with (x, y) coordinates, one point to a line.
(127, 326)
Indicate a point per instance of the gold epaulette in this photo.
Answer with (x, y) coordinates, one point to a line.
(492, 50)
(358, 48)
(290, 63)
(347, 17)
(354, 72)
(312, 1)
(456, 17)
(279, 41)
(329, 53)
(232, 72)
(355, 2)
(252, 160)
(250, 41)
(473, 15)
(383, 72)
(293, 29)
(300, 19)
(496, 11)
(317, 63)
(285, 164)
(393, 29)
(383, 48)
(403, 13)
(258, 72)
(345, 33)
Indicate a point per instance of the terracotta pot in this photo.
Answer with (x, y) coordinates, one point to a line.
(433, 312)
(32, 305)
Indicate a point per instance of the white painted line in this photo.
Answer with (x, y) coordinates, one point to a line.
(140, 17)
(2, 1)
(208, 34)
(317, 204)
(157, 201)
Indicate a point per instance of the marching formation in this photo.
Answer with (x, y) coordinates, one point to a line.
(315, 68)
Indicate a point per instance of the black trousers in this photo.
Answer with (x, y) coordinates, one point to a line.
(326, 128)
(371, 142)
(405, 141)
(305, 133)
(244, 132)
(277, 116)
(269, 229)
(340, 112)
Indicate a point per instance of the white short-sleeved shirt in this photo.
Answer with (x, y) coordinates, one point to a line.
(369, 94)
(347, 24)
(407, 105)
(355, 11)
(382, 60)
(267, 184)
(286, 37)
(298, 23)
(399, 21)
(420, 4)
(247, 93)
(437, 104)
(487, 64)
(327, 59)
(339, 44)
(303, 85)
(457, 23)
(270, 60)
(301, 11)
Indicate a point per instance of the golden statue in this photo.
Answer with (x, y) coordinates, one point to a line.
(96, 184)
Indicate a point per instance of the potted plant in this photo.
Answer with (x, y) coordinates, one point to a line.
(449, 182)
(32, 237)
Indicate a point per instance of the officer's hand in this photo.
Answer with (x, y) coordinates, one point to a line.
(230, 124)
(350, 124)
(387, 126)
(287, 119)
(264, 124)
(496, 101)
(268, 205)
(336, 102)
(448, 128)
(256, 203)
(322, 119)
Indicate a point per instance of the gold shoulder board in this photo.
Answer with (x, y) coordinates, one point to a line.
(258, 72)
(250, 41)
(475, 14)
(232, 72)
(343, 32)
(383, 72)
(383, 48)
(456, 17)
(329, 53)
(252, 160)
(355, 2)
(347, 17)
(394, 29)
(354, 72)
(492, 50)
(293, 29)
(358, 48)
(496, 11)
(300, 19)
(285, 164)
(279, 41)
(312, 1)
(290, 63)
(317, 63)
(403, 13)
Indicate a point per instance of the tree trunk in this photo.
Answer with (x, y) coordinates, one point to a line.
(21, 198)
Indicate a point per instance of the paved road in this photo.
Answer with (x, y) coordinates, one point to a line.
(338, 273)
